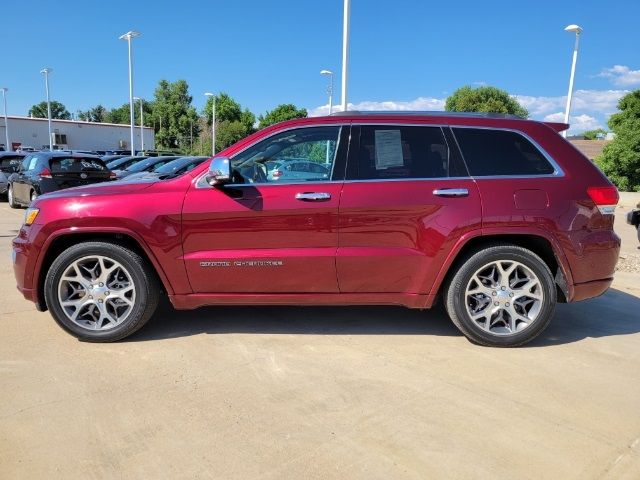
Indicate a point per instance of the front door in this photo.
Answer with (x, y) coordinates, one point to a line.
(264, 233)
(407, 199)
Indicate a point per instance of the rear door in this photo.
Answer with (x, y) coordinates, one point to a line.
(75, 171)
(406, 200)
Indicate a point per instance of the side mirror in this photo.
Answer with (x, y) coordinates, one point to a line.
(219, 171)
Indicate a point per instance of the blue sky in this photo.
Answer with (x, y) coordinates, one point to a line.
(404, 53)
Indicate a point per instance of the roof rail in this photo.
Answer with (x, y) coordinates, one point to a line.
(439, 113)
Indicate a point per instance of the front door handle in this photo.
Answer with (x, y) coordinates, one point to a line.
(313, 196)
(451, 192)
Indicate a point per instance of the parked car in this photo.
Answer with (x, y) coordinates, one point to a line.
(110, 158)
(146, 165)
(633, 218)
(296, 169)
(174, 168)
(497, 217)
(124, 162)
(45, 172)
(9, 163)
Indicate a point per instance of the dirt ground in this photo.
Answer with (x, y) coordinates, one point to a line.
(318, 393)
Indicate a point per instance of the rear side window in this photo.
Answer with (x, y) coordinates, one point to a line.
(401, 152)
(76, 165)
(500, 153)
(10, 164)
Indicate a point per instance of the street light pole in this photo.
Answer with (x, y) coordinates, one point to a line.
(128, 36)
(141, 124)
(213, 122)
(46, 71)
(329, 73)
(6, 123)
(345, 51)
(577, 30)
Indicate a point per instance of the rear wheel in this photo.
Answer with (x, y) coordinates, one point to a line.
(502, 296)
(10, 198)
(100, 291)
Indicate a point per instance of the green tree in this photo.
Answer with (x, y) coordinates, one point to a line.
(58, 111)
(96, 114)
(118, 115)
(620, 160)
(484, 99)
(227, 109)
(280, 114)
(173, 116)
(593, 134)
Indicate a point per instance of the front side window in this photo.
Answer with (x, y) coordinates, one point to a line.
(401, 152)
(500, 152)
(300, 155)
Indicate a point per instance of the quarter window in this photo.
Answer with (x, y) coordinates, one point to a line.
(500, 152)
(301, 155)
(388, 152)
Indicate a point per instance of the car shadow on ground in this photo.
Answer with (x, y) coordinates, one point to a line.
(615, 313)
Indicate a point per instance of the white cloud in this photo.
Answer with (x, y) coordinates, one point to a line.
(579, 123)
(419, 104)
(621, 75)
(591, 108)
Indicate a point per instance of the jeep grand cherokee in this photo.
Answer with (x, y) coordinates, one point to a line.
(497, 217)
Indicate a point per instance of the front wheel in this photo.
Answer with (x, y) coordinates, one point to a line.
(501, 296)
(101, 291)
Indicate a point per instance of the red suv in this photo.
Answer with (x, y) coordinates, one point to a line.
(497, 217)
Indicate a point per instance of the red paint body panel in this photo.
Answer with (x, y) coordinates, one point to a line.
(373, 242)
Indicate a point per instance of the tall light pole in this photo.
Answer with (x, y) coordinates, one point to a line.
(128, 36)
(6, 123)
(345, 51)
(329, 73)
(577, 30)
(141, 124)
(46, 71)
(213, 122)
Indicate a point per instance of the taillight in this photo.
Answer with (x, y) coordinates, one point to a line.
(277, 174)
(46, 173)
(605, 198)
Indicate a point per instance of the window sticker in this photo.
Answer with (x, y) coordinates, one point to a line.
(388, 149)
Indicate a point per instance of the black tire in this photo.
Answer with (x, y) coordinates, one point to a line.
(456, 301)
(10, 197)
(147, 288)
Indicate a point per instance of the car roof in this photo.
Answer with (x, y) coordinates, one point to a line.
(66, 155)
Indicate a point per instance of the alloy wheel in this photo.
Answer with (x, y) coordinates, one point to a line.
(504, 297)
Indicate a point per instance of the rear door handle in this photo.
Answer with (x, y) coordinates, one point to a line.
(451, 192)
(313, 196)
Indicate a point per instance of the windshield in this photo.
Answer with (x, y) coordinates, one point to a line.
(149, 164)
(123, 163)
(180, 166)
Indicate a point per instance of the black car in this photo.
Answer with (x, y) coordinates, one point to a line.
(44, 172)
(9, 163)
(173, 168)
(144, 166)
(123, 163)
(633, 218)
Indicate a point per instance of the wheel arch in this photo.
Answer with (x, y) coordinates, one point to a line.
(538, 242)
(60, 242)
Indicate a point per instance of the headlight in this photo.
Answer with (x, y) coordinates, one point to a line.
(30, 215)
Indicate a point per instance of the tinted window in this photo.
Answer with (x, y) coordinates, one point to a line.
(387, 152)
(301, 155)
(10, 163)
(500, 152)
(76, 165)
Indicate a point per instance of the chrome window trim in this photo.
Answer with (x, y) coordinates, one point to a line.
(201, 183)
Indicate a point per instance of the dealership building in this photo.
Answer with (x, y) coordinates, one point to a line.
(72, 134)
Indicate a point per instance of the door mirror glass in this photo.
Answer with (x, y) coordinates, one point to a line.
(219, 171)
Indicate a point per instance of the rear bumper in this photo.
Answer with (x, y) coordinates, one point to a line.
(583, 291)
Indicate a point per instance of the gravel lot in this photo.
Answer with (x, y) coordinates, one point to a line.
(319, 393)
